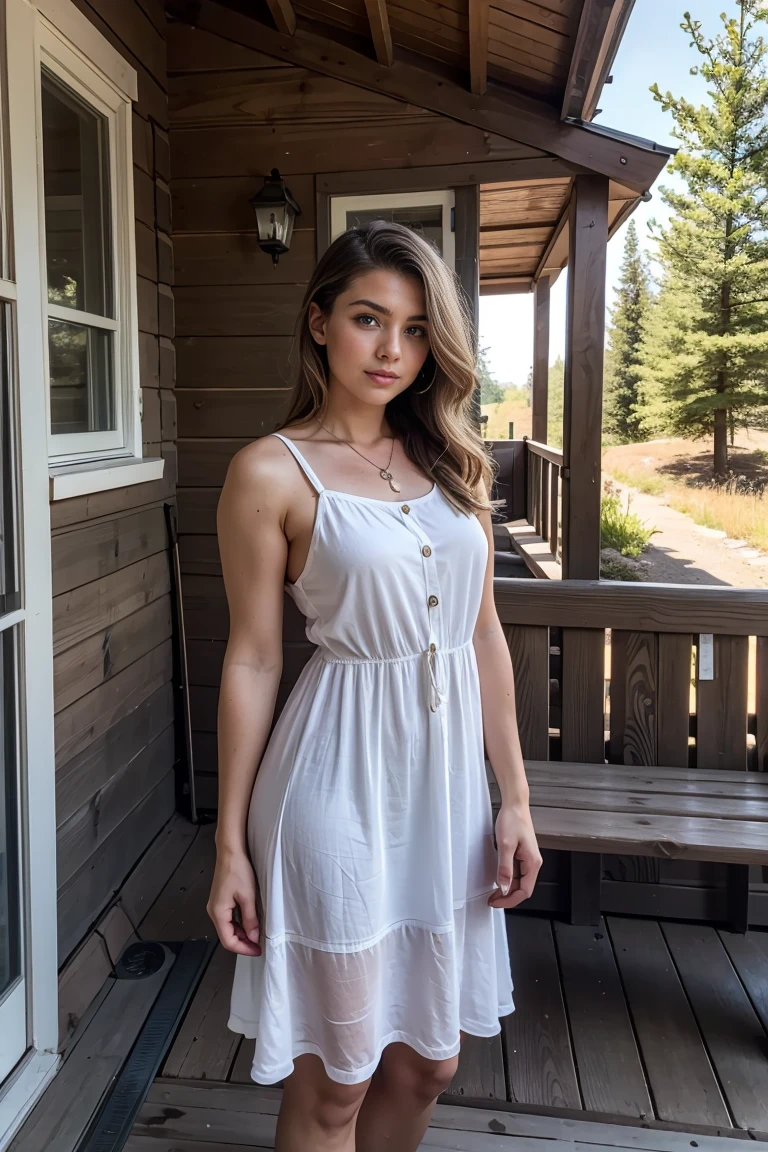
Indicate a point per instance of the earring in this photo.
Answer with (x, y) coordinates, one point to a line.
(421, 391)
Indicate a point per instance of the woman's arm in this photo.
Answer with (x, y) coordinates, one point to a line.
(515, 837)
(253, 552)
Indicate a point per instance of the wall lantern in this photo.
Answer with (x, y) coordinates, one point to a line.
(275, 210)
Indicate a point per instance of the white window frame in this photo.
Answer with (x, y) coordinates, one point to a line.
(445, 197)
(63, 40)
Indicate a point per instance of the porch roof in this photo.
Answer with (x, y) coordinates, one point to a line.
(529, 71)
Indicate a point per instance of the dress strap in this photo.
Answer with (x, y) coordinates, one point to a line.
(303, 464)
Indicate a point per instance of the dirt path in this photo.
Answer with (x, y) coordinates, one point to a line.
(683, 552)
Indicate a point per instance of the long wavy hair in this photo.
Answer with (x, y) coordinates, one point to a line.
(436, 427)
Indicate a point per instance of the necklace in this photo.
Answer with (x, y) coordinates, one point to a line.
(383, 472)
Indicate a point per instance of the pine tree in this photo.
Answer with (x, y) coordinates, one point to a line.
(555, 385)
(705, 352)
(491, 392)
(621, 417)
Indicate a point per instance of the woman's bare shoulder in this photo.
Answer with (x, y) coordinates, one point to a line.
(260, 479)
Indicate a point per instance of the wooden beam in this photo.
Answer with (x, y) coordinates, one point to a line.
(502, 111)
(467, 212)
(380, 31)
(678, 609)
(601, 29)
(478, 46)
(540, 388)
(505, 285)
(283, 15)
(583, 390)
(418, 179)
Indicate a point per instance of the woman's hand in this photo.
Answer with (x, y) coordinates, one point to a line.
(235, 886)
(519, 856)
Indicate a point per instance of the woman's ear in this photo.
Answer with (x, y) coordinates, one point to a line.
(317, 323)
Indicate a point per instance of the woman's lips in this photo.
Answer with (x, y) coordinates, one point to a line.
(381, 378)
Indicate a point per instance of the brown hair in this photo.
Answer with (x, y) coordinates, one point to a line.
(436, 426)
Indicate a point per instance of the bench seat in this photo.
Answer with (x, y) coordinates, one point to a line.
(534, 550)
(666, 812)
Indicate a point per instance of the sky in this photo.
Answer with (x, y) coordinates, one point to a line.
(654, 49)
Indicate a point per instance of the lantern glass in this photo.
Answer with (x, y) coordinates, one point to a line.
(274, 222)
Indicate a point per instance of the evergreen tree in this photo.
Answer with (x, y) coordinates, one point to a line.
(491, 392)
(621, 416)
(705, 351)
(555, 384)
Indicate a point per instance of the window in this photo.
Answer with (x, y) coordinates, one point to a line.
(88, 261)
(429, 213)
(70, 107)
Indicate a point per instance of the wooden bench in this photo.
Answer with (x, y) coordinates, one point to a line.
(643, 718)
(664, 812)
(534, 550)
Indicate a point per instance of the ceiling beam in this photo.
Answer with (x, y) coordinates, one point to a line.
(283, 15)
(380, 32)
(499, 110)
(478, 46)
(600, 32)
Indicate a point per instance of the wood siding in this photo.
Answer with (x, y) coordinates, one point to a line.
(111, 575)
(235, 114)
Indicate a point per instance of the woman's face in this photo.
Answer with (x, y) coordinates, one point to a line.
(377, 335)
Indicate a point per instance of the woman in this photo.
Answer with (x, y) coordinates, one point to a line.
(357, 877)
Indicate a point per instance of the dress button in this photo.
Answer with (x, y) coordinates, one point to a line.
(432, 601)
(406, 508)
(426, 550)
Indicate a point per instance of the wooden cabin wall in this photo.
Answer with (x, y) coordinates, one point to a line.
(111, 607)
(235, 114)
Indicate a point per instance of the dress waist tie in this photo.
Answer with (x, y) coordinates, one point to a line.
(436, 694)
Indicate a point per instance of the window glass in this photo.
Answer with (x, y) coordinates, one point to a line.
(76, 183)
(10, 939)
(82, 393)
(425, 219)
(9, 583)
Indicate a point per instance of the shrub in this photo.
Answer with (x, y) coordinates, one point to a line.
(619, 528)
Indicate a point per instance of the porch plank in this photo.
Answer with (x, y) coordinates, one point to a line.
(749, 956)
(684, 1089)
(89, 1070)
(539, 1058)
(179, 911)
(205, 1048)
(481, 1069)
(610, 1070)
(240, 1072)
(230, 1109)
(733, 1033)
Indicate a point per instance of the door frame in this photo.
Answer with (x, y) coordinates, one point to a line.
(339, 204)
(38, 779)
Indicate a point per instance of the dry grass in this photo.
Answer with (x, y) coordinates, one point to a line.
(499, 416)
(681, 471)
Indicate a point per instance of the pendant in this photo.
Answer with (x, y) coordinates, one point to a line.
(392, 483)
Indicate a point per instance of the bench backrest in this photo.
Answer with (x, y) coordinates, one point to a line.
(645, 674)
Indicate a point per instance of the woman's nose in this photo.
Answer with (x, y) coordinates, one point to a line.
(389, 345)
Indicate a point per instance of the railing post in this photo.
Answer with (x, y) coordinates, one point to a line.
(583, 387)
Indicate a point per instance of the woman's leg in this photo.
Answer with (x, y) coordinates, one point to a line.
(316, 1113)
(399, 1103)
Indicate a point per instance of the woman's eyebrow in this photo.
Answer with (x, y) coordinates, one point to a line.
(384, 311)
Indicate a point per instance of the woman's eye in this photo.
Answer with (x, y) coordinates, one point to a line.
(365, 317)
(418, 331)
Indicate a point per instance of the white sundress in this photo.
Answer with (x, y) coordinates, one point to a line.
(370, 827)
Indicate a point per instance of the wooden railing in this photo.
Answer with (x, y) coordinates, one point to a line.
(639, 674)
(544, 496)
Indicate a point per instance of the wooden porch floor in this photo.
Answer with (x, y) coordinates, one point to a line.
(638, 1022)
